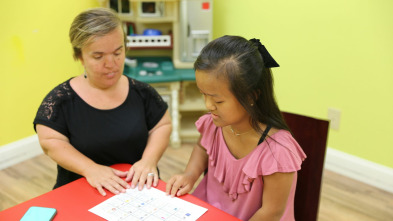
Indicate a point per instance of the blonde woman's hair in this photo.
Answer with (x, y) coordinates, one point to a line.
(92, 23)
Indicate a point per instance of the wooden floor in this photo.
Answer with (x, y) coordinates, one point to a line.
(342, 199)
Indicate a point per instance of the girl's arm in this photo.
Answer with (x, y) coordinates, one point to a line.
(183, 183)
(58, 147)
(157, 143)
(276, 189)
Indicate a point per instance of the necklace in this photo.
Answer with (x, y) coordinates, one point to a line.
(238, 134)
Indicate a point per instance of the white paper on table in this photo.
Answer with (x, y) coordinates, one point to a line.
(148, 204)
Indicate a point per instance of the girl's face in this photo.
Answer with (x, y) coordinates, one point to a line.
(103, 59)
(219, 100)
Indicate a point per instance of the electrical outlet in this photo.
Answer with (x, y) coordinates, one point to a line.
(334, 115)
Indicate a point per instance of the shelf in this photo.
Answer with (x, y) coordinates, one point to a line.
(189, 133)
(144, 11)
(154, 0)
(192, 105)
(188, 129)
(149, 41)
(165, 19)
(191, 99)
(147, 20)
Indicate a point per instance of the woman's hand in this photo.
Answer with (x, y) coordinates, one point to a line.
(101, 177)
(143, 172)
(58, 147)
(180, 184)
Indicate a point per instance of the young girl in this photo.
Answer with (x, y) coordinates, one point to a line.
(250, 156)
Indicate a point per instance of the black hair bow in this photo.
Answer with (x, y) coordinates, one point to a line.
(267, 58)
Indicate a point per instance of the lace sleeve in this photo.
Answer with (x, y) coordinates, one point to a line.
(48, 112)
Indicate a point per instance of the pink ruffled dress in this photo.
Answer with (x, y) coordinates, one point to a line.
(235, 185)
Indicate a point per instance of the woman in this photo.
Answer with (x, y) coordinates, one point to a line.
(102, 117)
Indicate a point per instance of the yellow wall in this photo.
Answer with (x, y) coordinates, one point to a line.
(35, 56)
(332, 54)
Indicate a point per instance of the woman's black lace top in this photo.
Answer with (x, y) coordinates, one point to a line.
(108, 137)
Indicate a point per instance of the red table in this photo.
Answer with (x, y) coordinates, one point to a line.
(73, 201)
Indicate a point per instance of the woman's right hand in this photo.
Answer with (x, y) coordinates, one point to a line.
(100, 177)
(57, 146)
(180, 184)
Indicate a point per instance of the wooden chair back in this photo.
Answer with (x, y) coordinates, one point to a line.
(312, 135)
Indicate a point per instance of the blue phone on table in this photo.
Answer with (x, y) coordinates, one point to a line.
(37, 213)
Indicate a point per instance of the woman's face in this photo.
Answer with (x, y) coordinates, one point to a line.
(225, 109)
(103, 59)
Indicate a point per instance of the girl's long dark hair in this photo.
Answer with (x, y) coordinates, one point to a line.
(238, 60)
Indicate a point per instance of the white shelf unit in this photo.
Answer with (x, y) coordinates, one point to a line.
(131, 10)
(188, 131)
(191, 98)
(191, 107)
(135, 18)
(170, 94)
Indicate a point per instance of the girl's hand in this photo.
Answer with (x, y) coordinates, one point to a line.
(101, 177)
(143, 172)
(180, 184)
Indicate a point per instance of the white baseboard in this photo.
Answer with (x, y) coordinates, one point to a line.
(337, 161)
(19, 151)
(359, 169)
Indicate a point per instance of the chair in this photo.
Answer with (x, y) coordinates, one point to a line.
(312, 135)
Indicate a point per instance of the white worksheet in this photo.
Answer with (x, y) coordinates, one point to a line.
(148, 204)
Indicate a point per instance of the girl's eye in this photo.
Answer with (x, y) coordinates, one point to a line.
(97, 57)
(219, 102)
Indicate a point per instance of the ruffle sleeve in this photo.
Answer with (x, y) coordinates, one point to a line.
(278, 153)
(210, 137)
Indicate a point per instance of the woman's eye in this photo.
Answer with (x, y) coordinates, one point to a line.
(97, 56)
(219, 102)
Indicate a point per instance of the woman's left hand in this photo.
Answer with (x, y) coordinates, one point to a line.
(143, 172)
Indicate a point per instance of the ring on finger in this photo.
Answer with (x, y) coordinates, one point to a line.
(150, 174)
